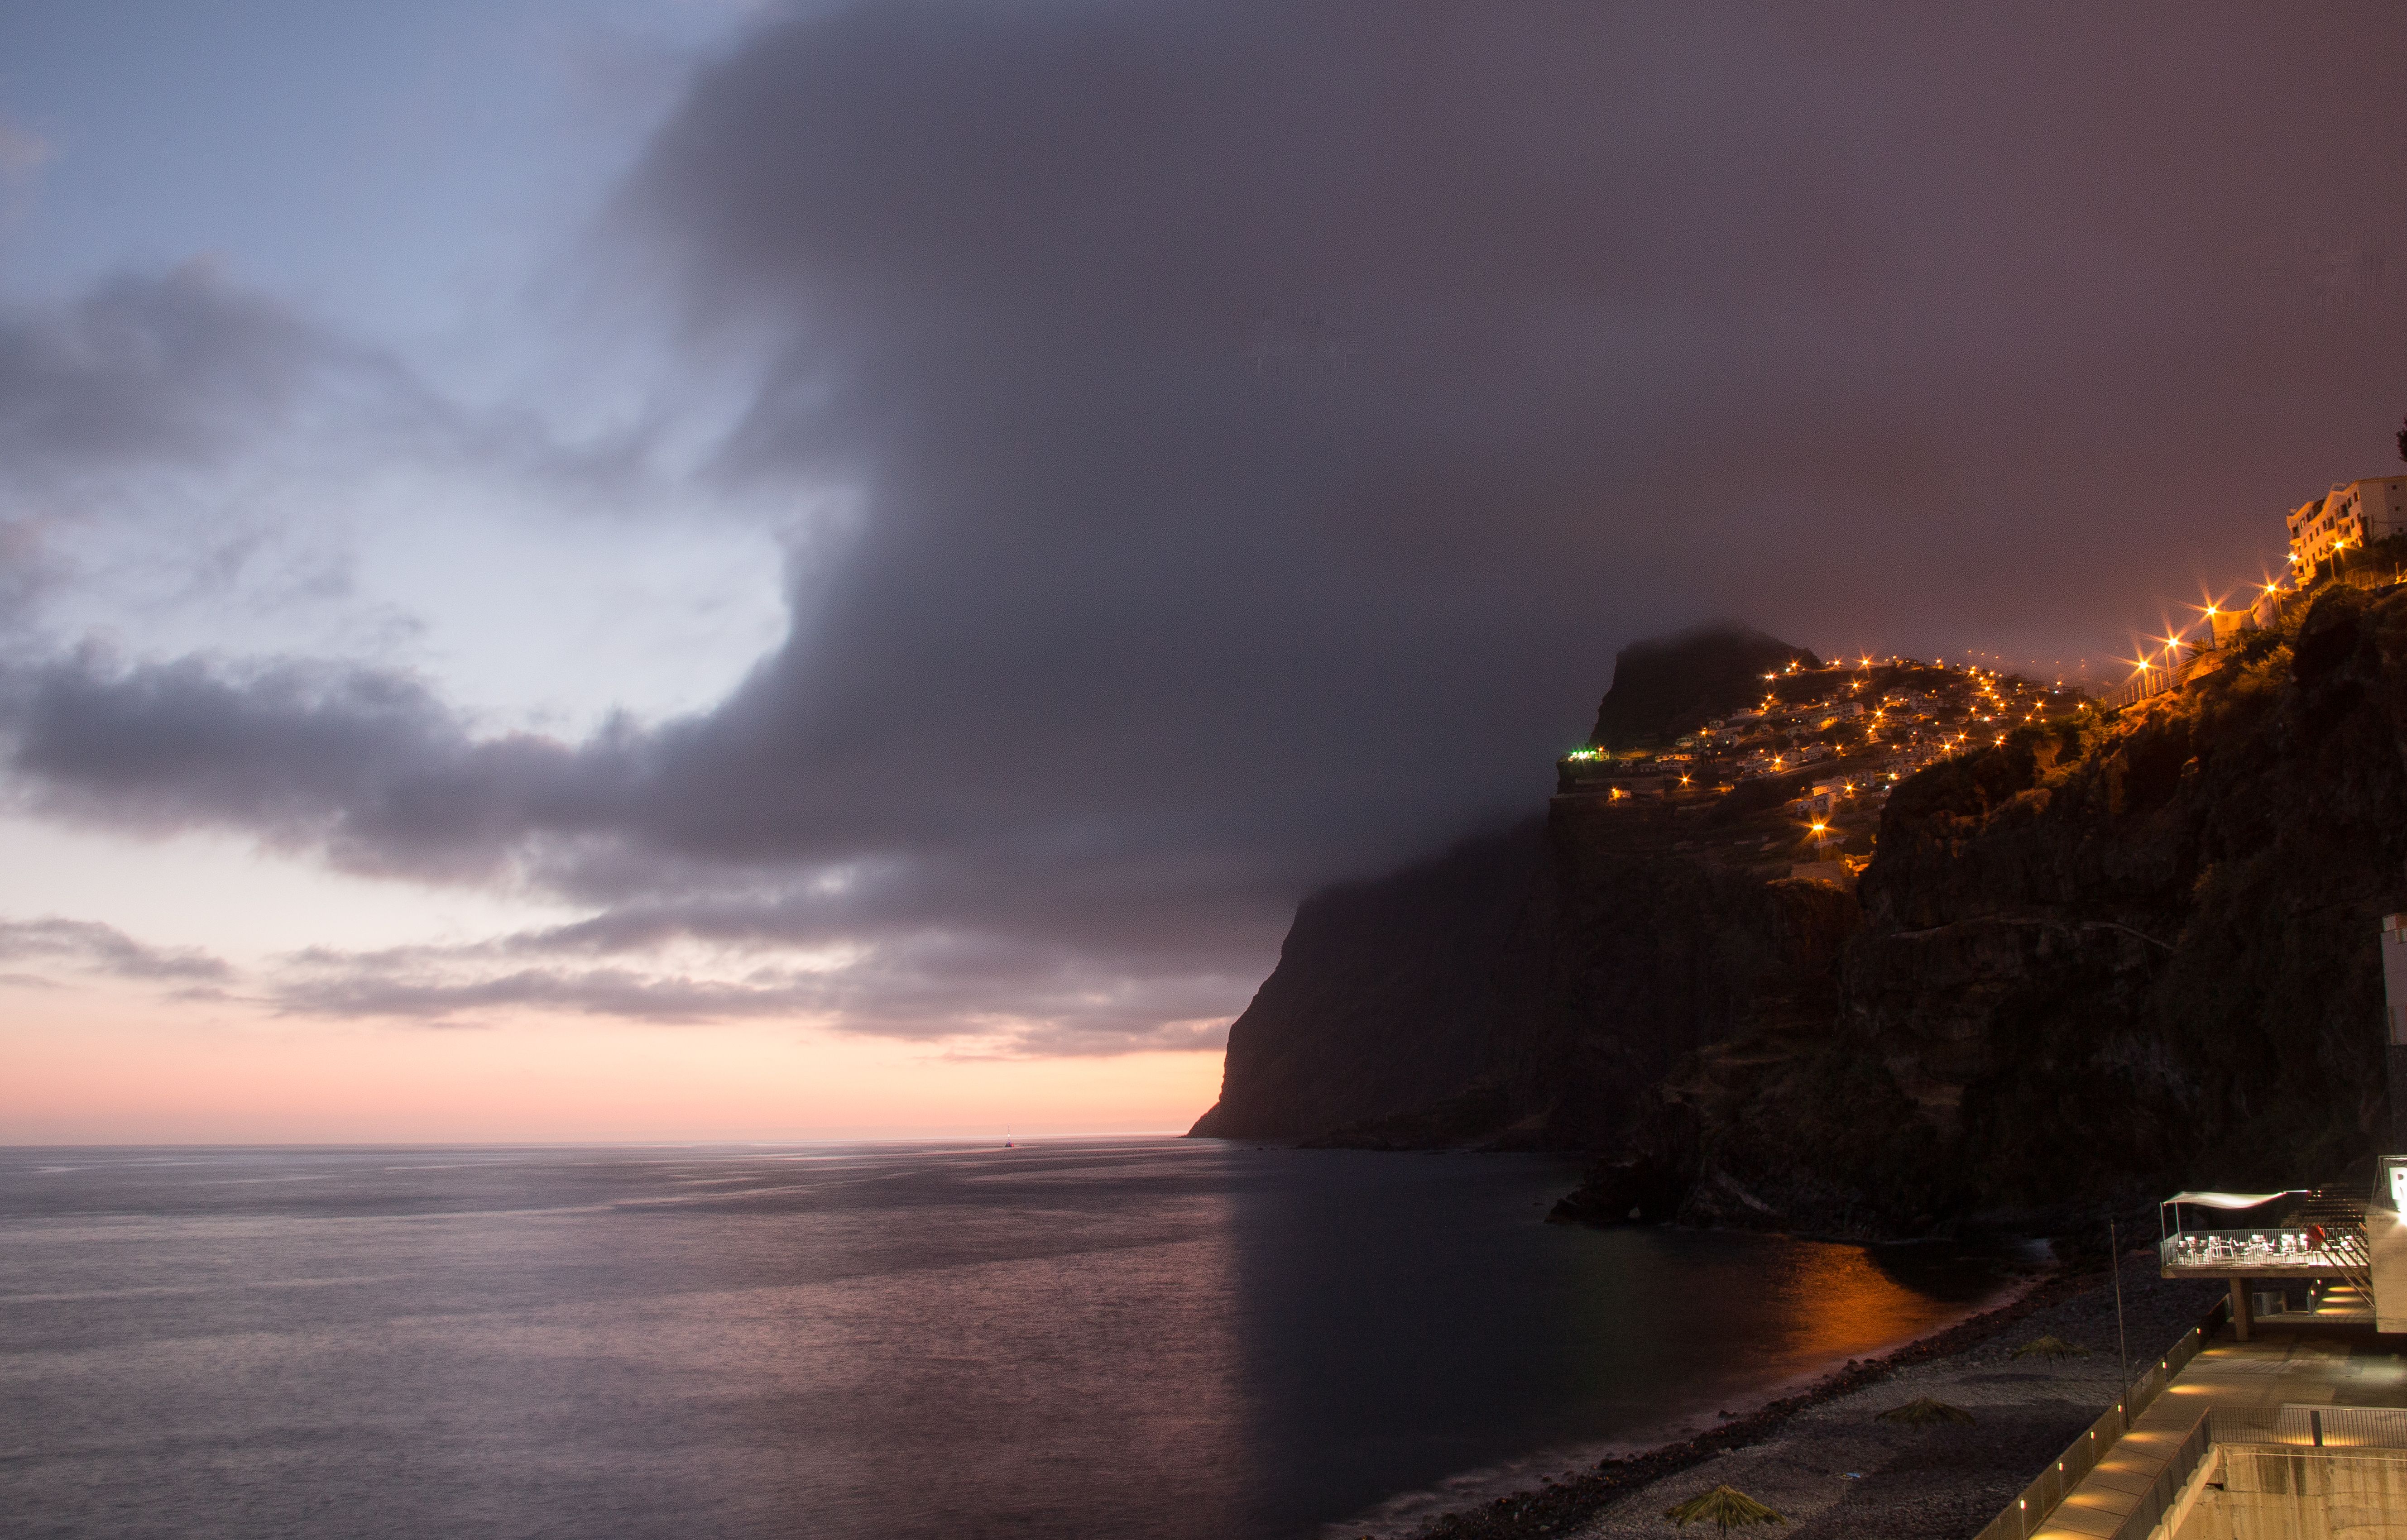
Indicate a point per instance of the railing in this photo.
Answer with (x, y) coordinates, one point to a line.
(2029, 1510)
(2167, 1487)
(2278, 1251)
(2150, 683)
(2339, 1214)
(2315, 1427)
(2365, 577)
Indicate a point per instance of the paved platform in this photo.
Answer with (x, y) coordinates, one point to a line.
(2340, 1364)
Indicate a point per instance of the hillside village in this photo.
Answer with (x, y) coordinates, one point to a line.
(1815, 755)
(1799, 775)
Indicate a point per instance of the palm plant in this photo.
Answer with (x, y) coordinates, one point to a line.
(1922, 1410)
(1725, 1507)
(2051, 1346)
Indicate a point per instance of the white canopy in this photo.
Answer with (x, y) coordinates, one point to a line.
(2230, 1200)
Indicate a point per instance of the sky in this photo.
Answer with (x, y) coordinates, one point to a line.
(695, 570)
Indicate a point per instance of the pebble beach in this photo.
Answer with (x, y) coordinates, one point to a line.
(1825, 1460)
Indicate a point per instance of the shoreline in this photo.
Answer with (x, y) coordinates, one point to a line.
(1555, 1509)
(1425, 1511)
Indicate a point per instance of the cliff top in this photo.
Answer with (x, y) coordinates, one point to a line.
(1664, 684)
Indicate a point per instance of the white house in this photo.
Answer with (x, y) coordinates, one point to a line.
(2353, 512)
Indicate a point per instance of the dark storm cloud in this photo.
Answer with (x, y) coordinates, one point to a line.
(91, 947)
(1265, 422)
(1270, 416)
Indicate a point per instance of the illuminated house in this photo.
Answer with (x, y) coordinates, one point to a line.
(2354, 513)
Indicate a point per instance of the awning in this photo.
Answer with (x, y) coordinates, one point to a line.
(2231, 1200)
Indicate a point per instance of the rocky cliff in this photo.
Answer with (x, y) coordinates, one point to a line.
(1527, 987)
(1384, 1001)
(1661, 683)
(2106, 956)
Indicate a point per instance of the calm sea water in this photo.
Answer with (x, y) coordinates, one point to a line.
(1164, 1338)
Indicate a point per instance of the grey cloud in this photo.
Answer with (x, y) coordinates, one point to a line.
(365, 764)
(202, 443)
(605, 992)
(178, 368)
(89, 946)
(1026, 999)
(184, 372)
(722, 826)
(1267, 420)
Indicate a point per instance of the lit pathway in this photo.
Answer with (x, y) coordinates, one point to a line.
(2336, 1368)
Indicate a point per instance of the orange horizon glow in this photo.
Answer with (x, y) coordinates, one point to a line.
(103, 1067)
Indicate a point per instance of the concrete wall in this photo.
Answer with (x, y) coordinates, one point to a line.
(2264, 1493)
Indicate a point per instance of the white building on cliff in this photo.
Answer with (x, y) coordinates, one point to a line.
(2353, 514)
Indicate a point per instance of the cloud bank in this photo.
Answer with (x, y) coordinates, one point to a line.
(87, 946)
(1263, 422)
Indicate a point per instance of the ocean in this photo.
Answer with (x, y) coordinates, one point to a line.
(1148, 1338)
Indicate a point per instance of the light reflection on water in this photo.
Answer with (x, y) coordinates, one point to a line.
(1145, 1338)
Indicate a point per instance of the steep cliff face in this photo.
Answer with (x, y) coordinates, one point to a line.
(2098, 960)
(1384, 999)
(1634, 953)
(1527, 989)
(2108, 955)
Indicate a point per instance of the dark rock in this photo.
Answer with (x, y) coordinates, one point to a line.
(1673, 683)
(1630, 1191)
(1478, 1113)
(1384, 999)
(2108, 956)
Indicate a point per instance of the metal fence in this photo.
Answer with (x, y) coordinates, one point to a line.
(2167, 1487)
(2313, 1427)
(2020, 1518)
(2150, 683)
(2275, 1251)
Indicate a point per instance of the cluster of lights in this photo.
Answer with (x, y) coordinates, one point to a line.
(1989, 693)
(2163, 652)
